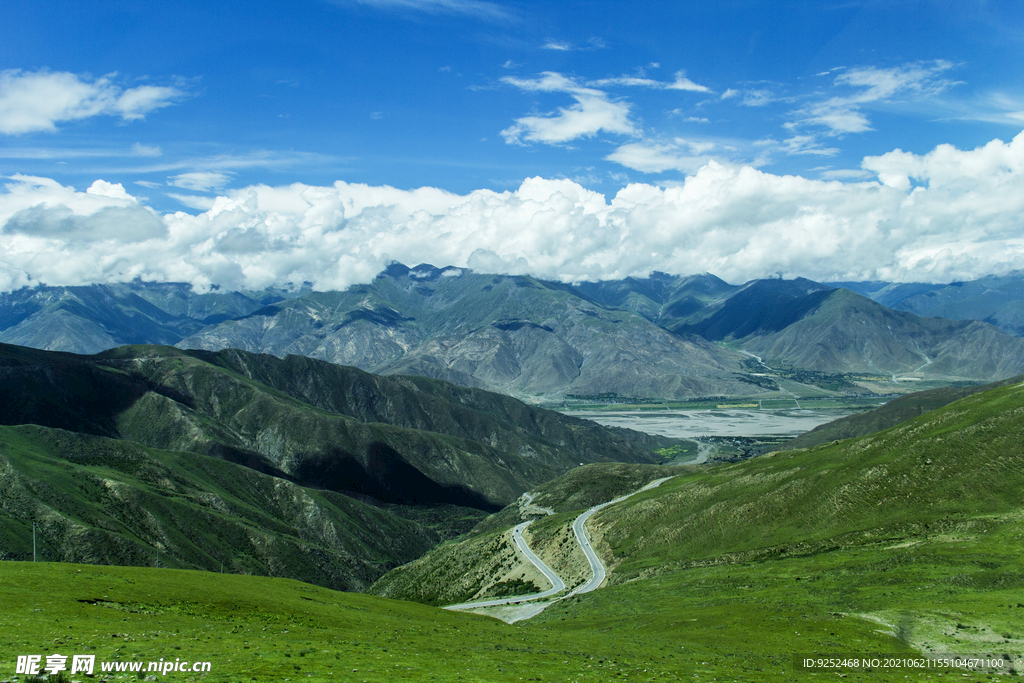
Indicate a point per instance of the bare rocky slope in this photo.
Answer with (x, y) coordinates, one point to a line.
(657, 337)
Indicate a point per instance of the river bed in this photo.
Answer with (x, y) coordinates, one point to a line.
(688, 424)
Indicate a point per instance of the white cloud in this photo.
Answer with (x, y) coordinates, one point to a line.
(681, 82)
(844, 114)
(730, 93)
(806, 144)
(228, 162)
(656, 157)
(991, 107)
(949, 214)
(880, 84)
(135, 103)
(477, 8)
(847, 174)
(757, 98)
(630, 81)
(194, 201)
(101, 188)
(684, 83)
(593, 112)
(141, 150)
(39, 100)
(200, 181)
(563, 46)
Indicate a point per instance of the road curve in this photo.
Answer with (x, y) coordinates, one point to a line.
(557, 585)
(530, 509)
(598, 572)
(597, 569)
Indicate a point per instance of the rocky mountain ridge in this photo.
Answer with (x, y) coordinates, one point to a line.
(661, 337)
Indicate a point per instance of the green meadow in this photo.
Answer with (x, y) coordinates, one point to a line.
(908, 542)
(262, 629)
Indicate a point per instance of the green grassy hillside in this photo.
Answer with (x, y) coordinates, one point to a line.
(404, 441)
(894, 412)
(470, 566)
(105, 501)
(161, 457)
(960, 462)
(265, 629)
(429, 405)
(904, 542)
(917, 530)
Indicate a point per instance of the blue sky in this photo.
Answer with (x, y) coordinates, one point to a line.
(182, 102)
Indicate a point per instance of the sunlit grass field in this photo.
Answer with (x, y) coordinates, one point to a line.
(263, 629)
(907, 542)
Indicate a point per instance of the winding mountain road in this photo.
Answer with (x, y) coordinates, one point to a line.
(583, 538)
(557, 585)
(597, 568)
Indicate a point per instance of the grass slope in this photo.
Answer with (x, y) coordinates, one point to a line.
(904, 541)
(910, 540)
(466, 568)
(267, 629)
(399, 440)
(894, 412)
(957, 463)
(105, 501)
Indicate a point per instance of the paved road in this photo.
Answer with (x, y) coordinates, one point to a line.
(557, 585)
(531, 509)
(583, 538)
(597, 569)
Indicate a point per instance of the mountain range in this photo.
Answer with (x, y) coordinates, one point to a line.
(998, 300)
(661, 337)
(294, 466)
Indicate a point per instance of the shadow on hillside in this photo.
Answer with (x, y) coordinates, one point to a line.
(387, 477)
(69, 394)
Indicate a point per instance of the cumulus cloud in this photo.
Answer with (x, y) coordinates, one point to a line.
(949, 214)
(593, 112)
(39, 100)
